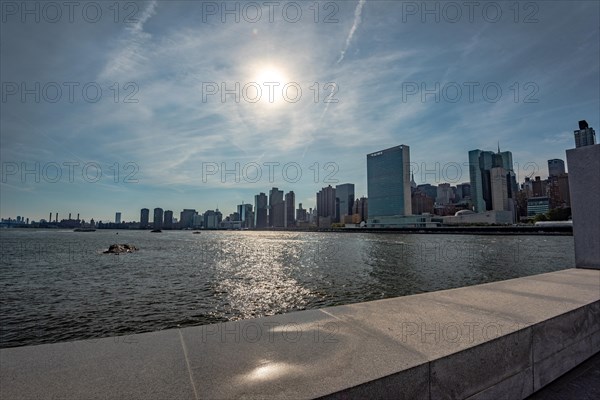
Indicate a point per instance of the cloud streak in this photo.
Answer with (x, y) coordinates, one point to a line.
(131, 48)
(357, 20)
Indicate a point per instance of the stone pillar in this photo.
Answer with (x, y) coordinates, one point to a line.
(584, 187)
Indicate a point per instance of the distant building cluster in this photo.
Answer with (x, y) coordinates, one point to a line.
(492, 196)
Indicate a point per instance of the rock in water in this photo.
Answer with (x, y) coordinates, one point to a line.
(121, 248)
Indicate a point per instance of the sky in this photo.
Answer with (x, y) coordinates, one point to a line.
(201, 105)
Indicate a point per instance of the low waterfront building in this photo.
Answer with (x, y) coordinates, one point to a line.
(402, 221)
(538, 205)
(492, 217)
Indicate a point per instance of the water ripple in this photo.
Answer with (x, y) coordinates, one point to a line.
(58, 286)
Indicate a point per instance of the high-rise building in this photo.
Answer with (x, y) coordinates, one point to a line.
(557, 189)
(301, 215)
(499, 189)
(212, 219)
(290, 206)
(276, 208)
(388, 182)
(563, 189)
(444, 195)
(361, 208)
(158, 218)
(585, 136)
(326, 206)
(421, 202)
(186, 218)
(464, 190)
(117, 218)
(539, 187)
(429, 190)
(480, 162)
(198, 221)
(246, 216)
(345, 195)
(455, 194)
(260, 211)
(527, 187)
(493, 181)
(556, 167)
(144, 218)
(168, 219)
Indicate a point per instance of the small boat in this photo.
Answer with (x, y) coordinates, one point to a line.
(84, 230)
(195, 232)
(156, 231)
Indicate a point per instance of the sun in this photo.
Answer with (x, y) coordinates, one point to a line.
(271, 74)
(268, 86)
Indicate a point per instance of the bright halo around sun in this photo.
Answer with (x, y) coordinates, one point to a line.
(270, 86)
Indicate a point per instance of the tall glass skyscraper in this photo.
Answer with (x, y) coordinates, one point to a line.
(260, 210)
(492, 179)
(345, 194)
(388, 182)
(276, 208)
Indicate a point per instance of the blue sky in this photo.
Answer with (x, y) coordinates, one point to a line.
(382, 61)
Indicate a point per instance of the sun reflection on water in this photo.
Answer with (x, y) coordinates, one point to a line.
(257, 280)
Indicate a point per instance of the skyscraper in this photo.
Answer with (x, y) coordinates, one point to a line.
(493, 181)
(360, 210)
(276, 208)
(388, 182)
(117, 218)
(301, 215)
(186, 218)
(444, 194)
(556, 167)
(326, 205)
(345, 194)
(585, 136)
(464, 189)
(158, 218)
(260, 211)
(212, 219)
(144, 218)
(246, 215)
(168, 220)
(480, 162)
(290, 206)
(421, 202)
(499, 189)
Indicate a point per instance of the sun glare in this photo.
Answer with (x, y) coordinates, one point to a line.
(271, 74)
(267, 86)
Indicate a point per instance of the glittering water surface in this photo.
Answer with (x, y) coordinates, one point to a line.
(58, 285)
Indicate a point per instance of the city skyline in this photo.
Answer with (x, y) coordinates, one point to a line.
(489, 161)
(424, 171)
(383, 82)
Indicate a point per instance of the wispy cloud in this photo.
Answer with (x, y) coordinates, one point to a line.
(129, 53)
(355, 24)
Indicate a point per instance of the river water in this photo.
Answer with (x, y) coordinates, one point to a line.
(57, 285)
